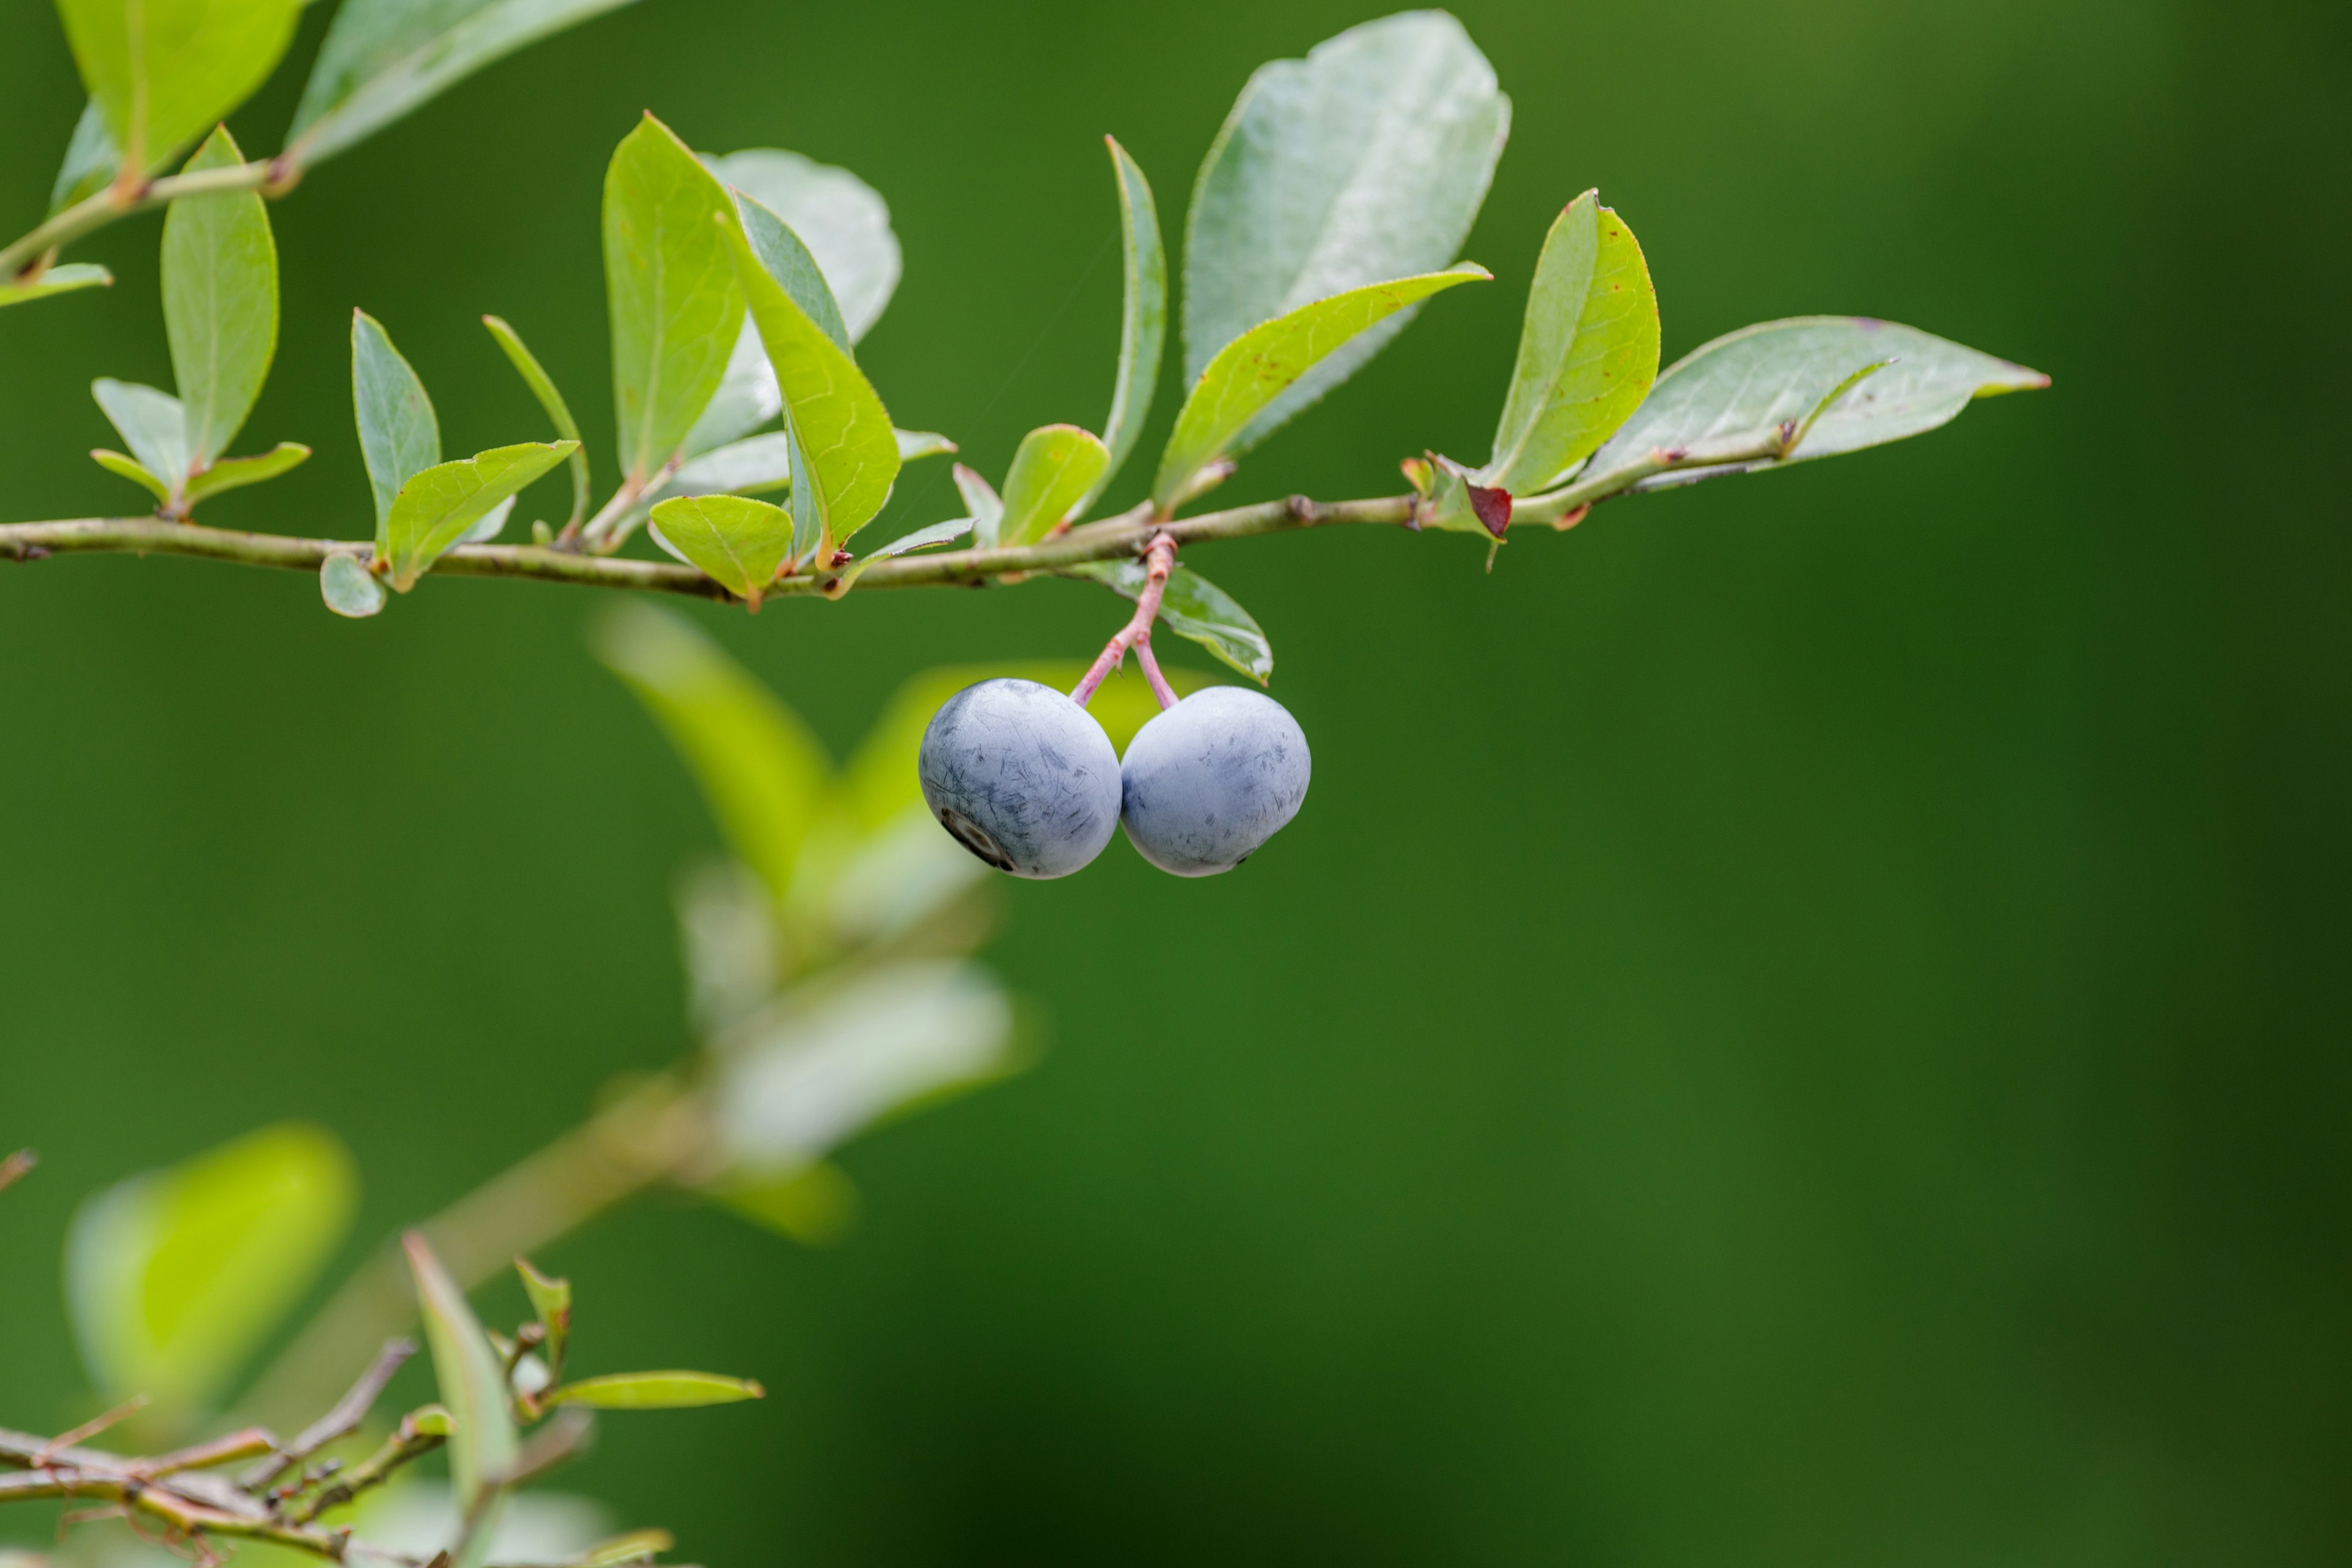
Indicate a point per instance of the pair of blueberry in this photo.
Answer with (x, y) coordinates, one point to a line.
(1026, 780)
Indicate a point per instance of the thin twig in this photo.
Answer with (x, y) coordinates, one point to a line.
(270, 176)
(202, 1455)
(406, 1443)
(343, 1419)
(91, 1429)
(1160, 560)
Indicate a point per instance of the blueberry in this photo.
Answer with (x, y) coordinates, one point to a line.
(1211, 779)
(1023, 776)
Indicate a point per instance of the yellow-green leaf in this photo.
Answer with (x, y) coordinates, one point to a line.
(436, 508)
(551, 1300)
(483, 1443)
(1056, 469)
(220, 303)
(542, 386)
(62, 280)
(161, 72)
(653, 1391)
(1143, 319)
(131, 469)
(738, 542)
(235, 473)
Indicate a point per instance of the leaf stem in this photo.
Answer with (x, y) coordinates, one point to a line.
(271, 177)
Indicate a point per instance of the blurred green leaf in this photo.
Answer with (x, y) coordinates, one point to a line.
(383, 57)
(675, 303)
(164, 71)
(60, 279)
(1143, 320)
(235, 473)
(922, 537)
(814, 1205)
(350, 589)
(129, 469)
(92, 160)
(763, 774)
(728, 941)
(399, 437)
(1365, 161)
(551, 1301)
(655, 1390)
(152, 424)
(1588, 353)
(830, 409)
(1055, 468)
(987, 511)
(637, 1545)
(736, 542)
(176, 1276)
(1755, 389)
(542, 386)
(483, 1443)
(1193, 606)
(220, 303)
(438, 508)
(1251, 372)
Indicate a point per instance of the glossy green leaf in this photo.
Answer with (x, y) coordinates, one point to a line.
(1143, 320)
(350, 589)
(220, 303)
(64, 278)
(987, 510)
(162, 72)
(1192, 607)
(762, 772)
(830, 409)
(655, 1390)
(738, 542)
(559, 413)
(177, 1276)
(1365, 161)
(438, 508)
(90, 162)
(1588, 353)
(127, 467)
(1734, 404)
(235, 473)
(921, 539)
(550, 1302)
(674, 304)
(399, 437)
(383, 57)
(1253, 369)
(483, 1443)
(151, 424)
(1054, 468)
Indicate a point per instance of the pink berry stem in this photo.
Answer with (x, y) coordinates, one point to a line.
(1159, 560)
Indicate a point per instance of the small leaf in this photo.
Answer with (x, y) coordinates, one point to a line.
(638, 1545)
(1365, 161)
(350, 589)
(483, 1444)
(1193, 606)
(152, 424)
(1458, 502)
(430, 1420)
(90, 162)
(1054, 468)
(399, 437)
(235, 473)
(1588, 353)
(60, 279)
(738, 542)
(655, 1390)
(674, 304)
(550, 1300)
(1143, 319)
(220, 303)
(542, 386)
(763, 773)
(161, 72)
(383, 57)
(436, 508)
(980, 500)
(842, 221)
(917, 444)
(921, 539)
(814, 1205)
(1249, 373)
(175, 1277)
(116, 463)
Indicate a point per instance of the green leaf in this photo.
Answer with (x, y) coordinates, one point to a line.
(91, 161)
(1734, 403)
(738, 542)
(843, 221)
(383, 57)
(1588, 353)
(235, 473)
(175, 1277)
(987, 511)
(655, 1390)
(399, 437)
(830, 409)
(921, 539)
(1143, 323)
(762, 772)
(60, 279)
(164, 71)
(1253, 369)
(542, 386)
(350, 589)
(483, 1444)
(1365, 161)
(1456, 501)
(914, 445)
(550, 1300)
(815, 1204)
(125, 468)
(152, 424)
(1193, 606)
(436, 508)
(674, 304)
(636, 1546)
(1054, 468)
(785, 258)
(220, 303)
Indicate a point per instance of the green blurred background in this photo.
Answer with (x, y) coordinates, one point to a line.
(1803, 1023)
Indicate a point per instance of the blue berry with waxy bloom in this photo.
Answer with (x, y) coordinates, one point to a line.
(1211, 779)
(1023, 776)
